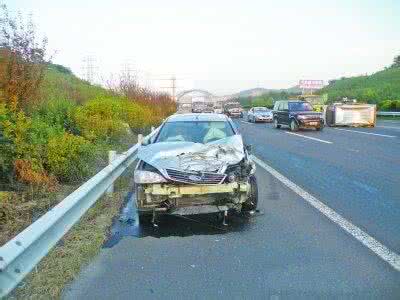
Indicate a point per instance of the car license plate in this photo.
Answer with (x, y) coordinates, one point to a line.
(313, 123)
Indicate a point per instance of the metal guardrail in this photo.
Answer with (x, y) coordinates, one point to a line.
(22, 253)
(388, 113)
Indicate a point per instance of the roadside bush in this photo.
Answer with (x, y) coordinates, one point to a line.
(25, 148)
(6, 148)
(100, 120)
(58, 113)
(390, 105)
(262, 101)
(137, 116)
(70, 158)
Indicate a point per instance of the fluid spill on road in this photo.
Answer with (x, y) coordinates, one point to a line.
(127, 225)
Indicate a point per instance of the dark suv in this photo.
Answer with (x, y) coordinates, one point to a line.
(296, 114)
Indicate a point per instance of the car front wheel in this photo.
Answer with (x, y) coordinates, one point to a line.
(294, 126)
(276, 124)
(252, 200)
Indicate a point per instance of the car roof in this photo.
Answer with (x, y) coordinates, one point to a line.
(260, 107)
(206, 117)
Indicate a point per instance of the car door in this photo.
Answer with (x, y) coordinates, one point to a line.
(284, 113)
(250, 114)
(275, 110)
(280, 113)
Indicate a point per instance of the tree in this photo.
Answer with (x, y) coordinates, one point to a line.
(396, 62)
(22, 60)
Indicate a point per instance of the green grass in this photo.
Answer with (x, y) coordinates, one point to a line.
(76, 249)
(58, 85)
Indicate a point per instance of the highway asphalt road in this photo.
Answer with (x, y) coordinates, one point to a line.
(288, 250)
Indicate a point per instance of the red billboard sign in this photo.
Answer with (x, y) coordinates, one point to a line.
(311, 84)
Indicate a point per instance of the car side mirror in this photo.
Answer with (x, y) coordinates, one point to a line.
(248, 148)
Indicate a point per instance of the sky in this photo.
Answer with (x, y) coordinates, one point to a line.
(217, 45)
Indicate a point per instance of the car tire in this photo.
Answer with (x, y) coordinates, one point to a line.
(276, 124)
(251, 202)
(144, 219)
(293, 125)
(320, 128)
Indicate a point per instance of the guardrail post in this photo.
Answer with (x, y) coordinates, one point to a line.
(139, 138)
(112, 155)
(152, 128)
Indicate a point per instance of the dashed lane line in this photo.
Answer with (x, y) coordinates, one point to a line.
(387, 255)
(309, 137)
(362, 132)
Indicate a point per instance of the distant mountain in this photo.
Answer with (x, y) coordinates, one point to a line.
(261, 91)
(253, 92)
(294, 90)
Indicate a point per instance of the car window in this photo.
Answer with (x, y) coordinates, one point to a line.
(300, 106)
(195, 131)
(285, 106)
(260, 109)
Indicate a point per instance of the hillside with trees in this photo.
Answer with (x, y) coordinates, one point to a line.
(381, 88)
(56, 129)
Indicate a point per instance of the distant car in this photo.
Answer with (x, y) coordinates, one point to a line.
(233, 110)
(259, 114)
(296, 114)
(208, 109)
(198, 107)
(218, 110)
(194, 164)
(184, 108)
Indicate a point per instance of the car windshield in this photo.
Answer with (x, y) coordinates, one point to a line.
(260, 109)
(195, 131)
(300, 106)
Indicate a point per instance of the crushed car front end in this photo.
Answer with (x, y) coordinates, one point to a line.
(187, 179)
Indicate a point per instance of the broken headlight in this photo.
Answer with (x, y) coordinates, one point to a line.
(144, 177)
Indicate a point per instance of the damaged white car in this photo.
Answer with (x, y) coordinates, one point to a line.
(194, 164)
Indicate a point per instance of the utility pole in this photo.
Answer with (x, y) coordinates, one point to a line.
(89, 68)
(128, 72)
(172, 86)
(173, 81)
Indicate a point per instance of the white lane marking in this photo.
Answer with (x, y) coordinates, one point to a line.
(391, 127)
(309, 137)
(362, 132)
(392, 258)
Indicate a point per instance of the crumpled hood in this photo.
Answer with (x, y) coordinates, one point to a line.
(187, 156)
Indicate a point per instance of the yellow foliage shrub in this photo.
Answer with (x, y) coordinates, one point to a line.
(70, 157)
